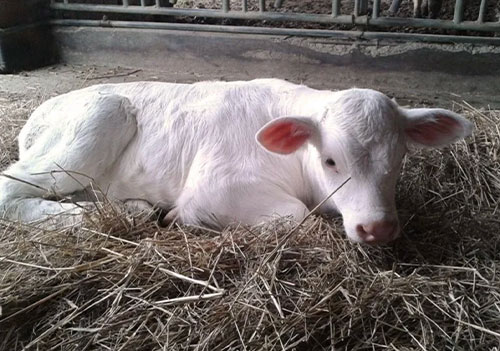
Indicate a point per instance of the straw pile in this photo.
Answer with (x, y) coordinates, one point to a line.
(122, 283)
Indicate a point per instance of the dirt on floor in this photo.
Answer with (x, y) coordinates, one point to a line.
(408, 88)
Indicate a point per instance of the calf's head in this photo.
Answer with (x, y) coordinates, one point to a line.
(364, 135)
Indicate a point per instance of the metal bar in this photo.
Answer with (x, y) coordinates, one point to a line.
(225, 5)
(435, 23)
(482, 10)
(317, 33)
(360, 7)
(363, 7)
(277, 16)
(65, 1)
(458, 16)
(251, 15)
(394, 6)
(125, 3)
(278, 4)
(143, 3)
(244, 6)
(376, 8)
(262, 5)
(335, 8)
(157, 3)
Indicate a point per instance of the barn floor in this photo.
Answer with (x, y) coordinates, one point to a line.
(413, 88)
(121, 283)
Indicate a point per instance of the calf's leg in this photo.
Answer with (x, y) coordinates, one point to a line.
(237, 204)
(73, 143)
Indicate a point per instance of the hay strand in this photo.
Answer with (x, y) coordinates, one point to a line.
(120, 282)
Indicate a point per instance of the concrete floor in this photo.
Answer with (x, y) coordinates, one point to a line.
(408, 88)
(414, 73)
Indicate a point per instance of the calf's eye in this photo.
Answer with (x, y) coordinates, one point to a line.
(329, 162)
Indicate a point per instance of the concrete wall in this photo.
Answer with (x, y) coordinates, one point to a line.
(424, 71)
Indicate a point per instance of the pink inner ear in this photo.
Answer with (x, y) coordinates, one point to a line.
(433, 133)
(285, 137)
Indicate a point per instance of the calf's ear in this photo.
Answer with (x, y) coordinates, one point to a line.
(433, 127)
(285, 135)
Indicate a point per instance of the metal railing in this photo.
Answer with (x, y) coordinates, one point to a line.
(358, 16)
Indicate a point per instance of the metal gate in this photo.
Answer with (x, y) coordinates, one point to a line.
(261, 10)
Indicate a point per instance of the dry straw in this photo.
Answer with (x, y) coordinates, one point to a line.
(123, 283)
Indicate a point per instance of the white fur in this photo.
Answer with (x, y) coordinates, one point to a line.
(192, 148)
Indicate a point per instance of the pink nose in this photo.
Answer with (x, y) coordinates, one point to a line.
(378, 232)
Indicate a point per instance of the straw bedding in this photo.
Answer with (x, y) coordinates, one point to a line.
(123, 283)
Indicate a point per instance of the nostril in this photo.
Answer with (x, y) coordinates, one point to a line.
(369, 228)
(364, 234)
(360, 229)
(381, 231)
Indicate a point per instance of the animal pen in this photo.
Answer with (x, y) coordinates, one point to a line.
(24, 24)
(121, 282)
(241, 10)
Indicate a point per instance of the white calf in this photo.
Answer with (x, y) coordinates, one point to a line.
(217, 153)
